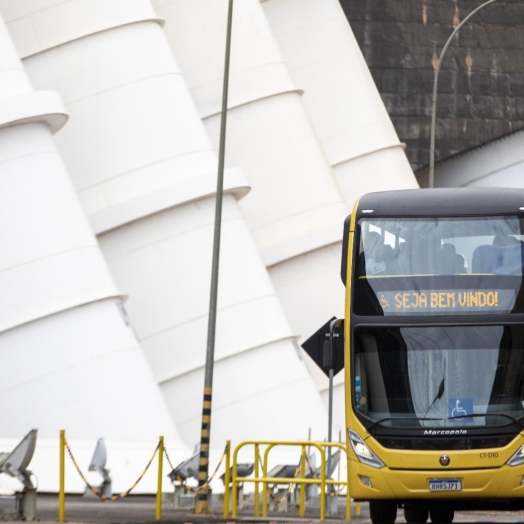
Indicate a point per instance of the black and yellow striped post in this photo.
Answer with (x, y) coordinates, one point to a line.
(202, 505)
(227, 479)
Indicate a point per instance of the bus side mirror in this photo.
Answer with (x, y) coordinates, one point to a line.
(326, 346)
(333, 347)
(328, 354)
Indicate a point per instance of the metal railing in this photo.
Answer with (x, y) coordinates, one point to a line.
(159, 450)
(299, 480)
(232, 479)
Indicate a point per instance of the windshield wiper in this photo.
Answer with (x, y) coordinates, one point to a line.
(438, 397)
(418, 419)
(513, 419)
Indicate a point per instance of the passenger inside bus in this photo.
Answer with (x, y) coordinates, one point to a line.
(498, 258)
(419, 247)
(410, 258)
(505, 240)
(451, 262)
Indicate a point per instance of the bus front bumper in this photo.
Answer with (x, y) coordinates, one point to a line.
(398, 484)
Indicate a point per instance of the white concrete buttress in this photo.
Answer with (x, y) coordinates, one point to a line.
(295, 206)
(295, 209)
(340, 96)
(145, 172)
(69, 358)
(344, 106)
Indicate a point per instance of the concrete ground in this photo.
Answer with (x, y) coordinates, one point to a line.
(141, 509)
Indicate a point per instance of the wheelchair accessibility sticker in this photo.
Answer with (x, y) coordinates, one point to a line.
(460, 407)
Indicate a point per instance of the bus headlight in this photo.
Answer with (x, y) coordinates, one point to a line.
(517, 459)
(363, 453)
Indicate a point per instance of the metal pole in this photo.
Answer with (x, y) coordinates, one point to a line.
(322, 487)
(330, 416)
(302, 507)
(264, 487)
(202, 505)
(435, 86)
(227, 479)
(333, 336)
(330, 427)
(61, 488)
(234, 486)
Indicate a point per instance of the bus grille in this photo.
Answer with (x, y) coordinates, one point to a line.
(442, 444)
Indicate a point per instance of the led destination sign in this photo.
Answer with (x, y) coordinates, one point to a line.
(446, 301)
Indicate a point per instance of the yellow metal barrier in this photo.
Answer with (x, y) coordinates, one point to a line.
(64, 446)
(61, 488)
(226, 478)
(301, 481)
(158, 513)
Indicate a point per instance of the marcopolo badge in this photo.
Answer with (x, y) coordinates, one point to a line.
(444, 460)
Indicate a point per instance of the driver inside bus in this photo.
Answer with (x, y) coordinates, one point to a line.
(451, 262)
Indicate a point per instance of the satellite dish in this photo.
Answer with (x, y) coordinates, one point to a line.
(287, 471)
(243, 470)
(98, 462)
(186, 469)
(315, 471)
(15, 463)
(98, 465)
(335, 458)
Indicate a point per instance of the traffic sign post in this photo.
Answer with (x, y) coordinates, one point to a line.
(326, 347)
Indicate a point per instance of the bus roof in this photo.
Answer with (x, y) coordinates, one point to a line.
(442, 202)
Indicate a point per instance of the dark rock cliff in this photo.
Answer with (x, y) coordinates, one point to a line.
(481, 86)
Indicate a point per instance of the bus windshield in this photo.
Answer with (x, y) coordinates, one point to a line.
(408, 266)
(439, 376)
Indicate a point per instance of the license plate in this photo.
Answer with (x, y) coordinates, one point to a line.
(445, 485)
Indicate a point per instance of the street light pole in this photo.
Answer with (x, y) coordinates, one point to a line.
(202, 504)
(435, 86)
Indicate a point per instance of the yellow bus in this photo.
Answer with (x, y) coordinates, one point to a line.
(434, 352)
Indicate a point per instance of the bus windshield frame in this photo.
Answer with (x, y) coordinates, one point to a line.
(440, 376)
(475, 293)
